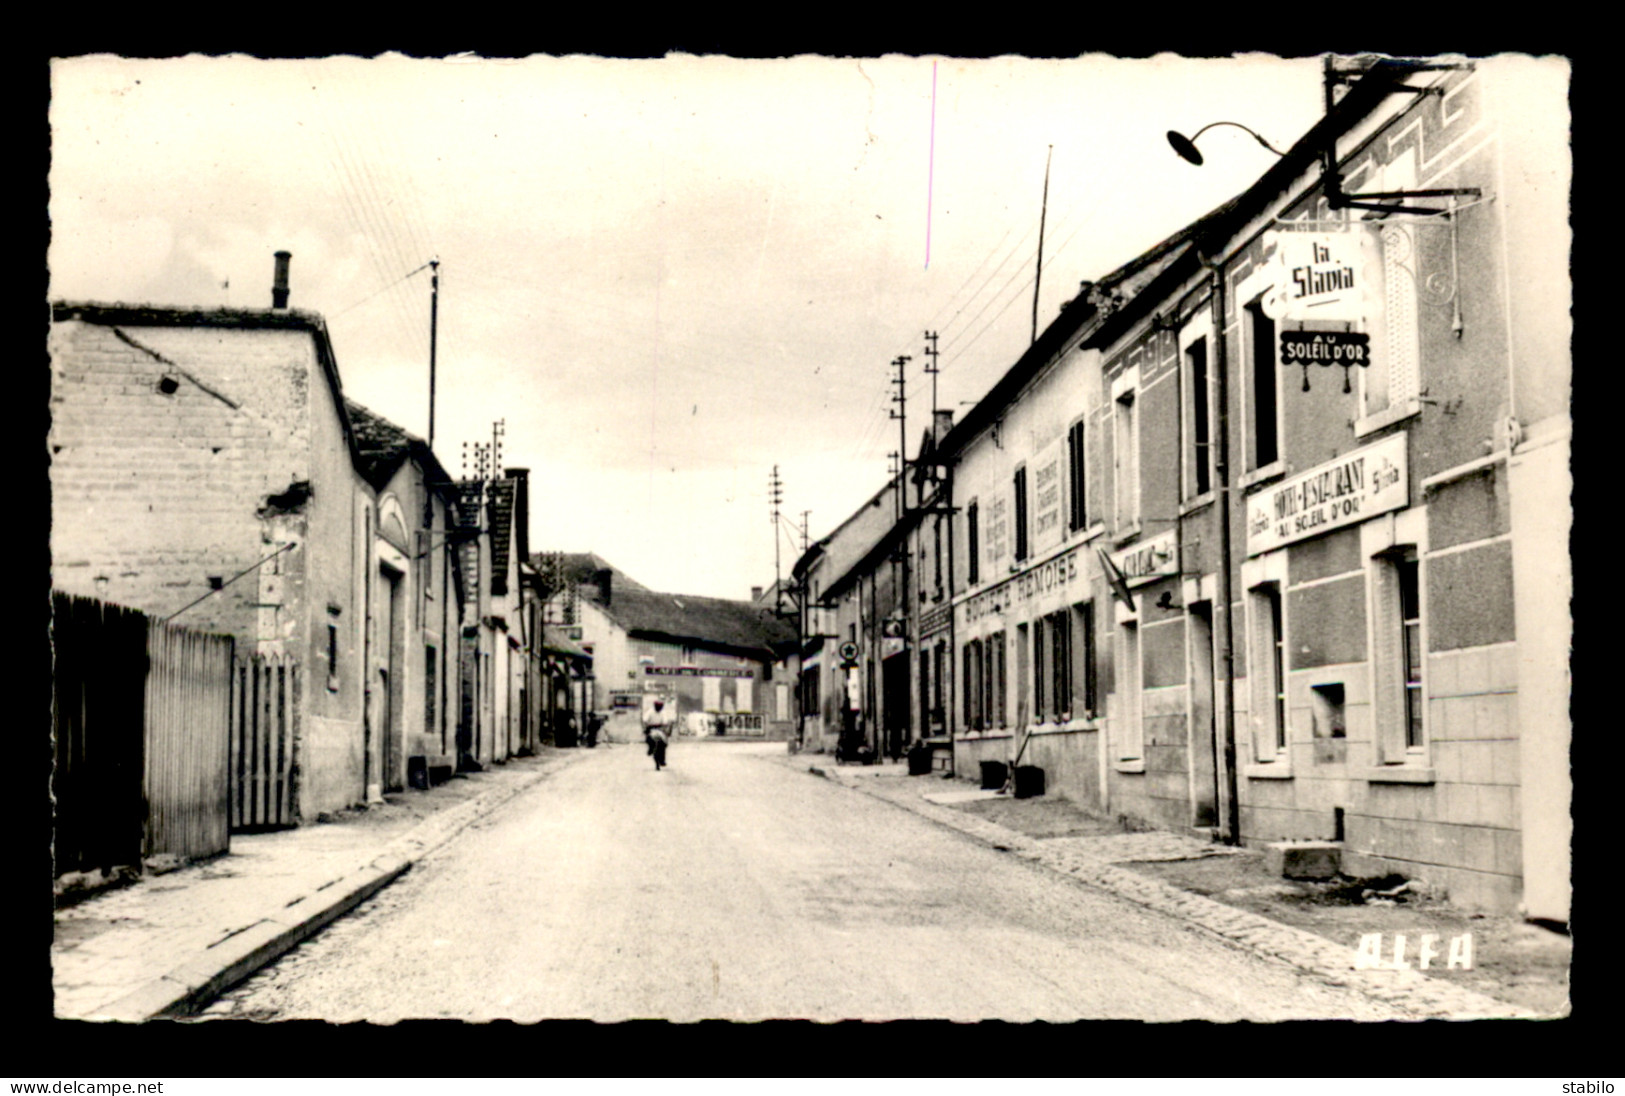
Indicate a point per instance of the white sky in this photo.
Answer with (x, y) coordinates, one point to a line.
(665, 276)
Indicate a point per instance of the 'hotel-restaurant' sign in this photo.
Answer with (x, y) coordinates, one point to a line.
(1346, 491)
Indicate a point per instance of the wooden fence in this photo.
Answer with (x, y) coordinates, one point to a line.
(188, 720)
(98, 686)
(264, 717)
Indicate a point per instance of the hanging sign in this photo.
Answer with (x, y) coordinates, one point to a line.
(1345, 348)
(1149, 560)
(1321, 275)
(1357, 485)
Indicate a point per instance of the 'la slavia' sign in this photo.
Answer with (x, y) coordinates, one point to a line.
(1357, 485)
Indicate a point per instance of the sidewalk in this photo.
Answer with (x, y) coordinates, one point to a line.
(167, 944)
(1176, 874)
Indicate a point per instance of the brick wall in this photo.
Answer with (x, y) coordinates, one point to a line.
(181, 458)
(153, 493)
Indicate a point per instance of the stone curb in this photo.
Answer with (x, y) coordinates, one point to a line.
(195, 983)
(1409, 990)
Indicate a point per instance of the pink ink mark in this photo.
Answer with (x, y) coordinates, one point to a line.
(931, 165)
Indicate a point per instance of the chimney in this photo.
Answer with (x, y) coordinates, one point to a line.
(944, 422)
(603, 579)
(756, 593)
(279, 285)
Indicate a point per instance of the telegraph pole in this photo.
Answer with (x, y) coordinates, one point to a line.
(434, 325)
(900, 413)
(931, 352)
(1038, 277)
(775, 495)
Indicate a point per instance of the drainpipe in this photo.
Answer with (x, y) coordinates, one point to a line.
(953, 644)
(1230, 813)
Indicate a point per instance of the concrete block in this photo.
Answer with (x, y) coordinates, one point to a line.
(1496, 806)
(1503, 670)
(1304, 859)
(1446, 758)
(1474, 847)
(1439, 727)
(1472, 672)
(1441, 674)
(1508, 852)
(1504, 762)
(158, 997)
(1477, 762)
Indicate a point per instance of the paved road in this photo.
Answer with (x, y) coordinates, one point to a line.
(733, 886)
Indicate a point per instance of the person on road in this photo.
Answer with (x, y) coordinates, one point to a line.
(657, 723)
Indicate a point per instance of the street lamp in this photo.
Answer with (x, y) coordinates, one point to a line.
(1186, 146)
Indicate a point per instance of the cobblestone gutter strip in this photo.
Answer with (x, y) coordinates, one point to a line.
(193, 985)
(1409, 990)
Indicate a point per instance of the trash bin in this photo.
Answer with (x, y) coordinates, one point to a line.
(919, 760)
(1029, 781)
(994, 774)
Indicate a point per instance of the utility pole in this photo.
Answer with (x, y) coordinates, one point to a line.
(804, 515)
(775, 495)
(900, 413)
(499, 430)
(434, 328)
(931, 352)
(1038, 277)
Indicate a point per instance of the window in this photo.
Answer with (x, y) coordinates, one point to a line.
(973, 547)
(1410, 602)
(993, 682)
(1052, 668)
(1400, 694)
(1200, 479)
(1085, 699)
(973, 682)
(925, 689)
(1077, 514)
(1127, 452)
(941, 664)
(1269, 673)
(430, 708)
(1130, 728)
(1263, 386)
(936, 555)
(810, 690)
(332, 657)
(1021, 512)
(1393, 381)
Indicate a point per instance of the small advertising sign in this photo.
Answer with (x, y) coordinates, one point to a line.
(1325, 348)
(1046, 497)
(1357, 485)
(1322, 275)
(1148, 560)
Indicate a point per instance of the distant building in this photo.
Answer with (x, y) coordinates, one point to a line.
(728, 665)
(416, 588)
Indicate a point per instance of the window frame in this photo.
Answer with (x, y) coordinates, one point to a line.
(1021, 545)
(1125, 452)
(1400, 702)
(1077, 472)
(973, 542)
(1267, 668)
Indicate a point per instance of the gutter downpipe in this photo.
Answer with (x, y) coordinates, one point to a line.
(952, 691)
(1230, 809)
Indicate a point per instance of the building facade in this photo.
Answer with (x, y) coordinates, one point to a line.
(1266, 533)
(204, 470)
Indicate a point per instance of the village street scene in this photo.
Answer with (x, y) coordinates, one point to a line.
(802, 539)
